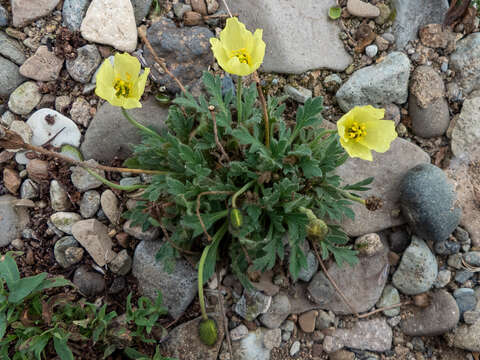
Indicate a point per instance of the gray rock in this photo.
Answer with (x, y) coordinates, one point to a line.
(184, 343)
(428, 203)
(374, 335)
(277, 312)
(59, 200)
(418, 269)
(64, 221)
(129, 181)
(83, 181)
(28, 190)
(440, 316)
(3, 17)
(239, 332)
(80, 111)
(386, 183)
(24, 99)
(466, 299)
(362, 285)
(306, 274)
(295, 348)
(110, 135)
(179, 9)
(332, 82)
(90, 203)
(25, 11)
(60, 248)
(84, 65)
(412, 14)
(378, 84)
(11, 49)
(89, 283)
(446, 247)
(289, 39)
(471, 317)
(443, 278)
(390, 296)
(368, 244)
(462, 276)
(252, 304)
(110, 206)
(140, 9)
(7, 118)
(10, 77)
(464, 61)
(462, 236)
(138, 233)
(22, 129)
(299, 94)
(468, 337)
(324, 320)
(427, 105)
(272, 338)
(12, 220)
(473, 258)
(455, 261)
(73, 13)
(466, 132)
(93, 236)
(371, 50)
(185, 50)
(121, 264)
(178, 287)
(251, 347)
(399, 241)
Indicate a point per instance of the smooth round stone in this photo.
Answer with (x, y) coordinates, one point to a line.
(369, 244)
(84, 65)
(121, 264)
(306, 274)
(371, 50)
(390, 296)
(59, 250)
(90, 203)
(295, 348)
(64, 221)
(473, 258)
(466, 299)
(443, 278)
(463, 276)
(73, 13)
(446, 247)
(89, 283)
(428, 202)
(29, 189)
(24, 98)
(59, 200)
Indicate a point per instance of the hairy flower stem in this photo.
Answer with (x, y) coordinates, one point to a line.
(239, 100)
(264, 109)
(218, 235)
(135, 123)
(114, 185)
(240, 192)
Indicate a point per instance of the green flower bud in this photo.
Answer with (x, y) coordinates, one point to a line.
(317, 229)
(207, 330)
(236, 218)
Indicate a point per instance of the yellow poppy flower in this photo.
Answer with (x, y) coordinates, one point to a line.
(238, 51)
(362, 130)
(121, 84)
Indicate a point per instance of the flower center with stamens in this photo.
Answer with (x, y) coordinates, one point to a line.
(123, 88)
(356, 131)
(242, 55)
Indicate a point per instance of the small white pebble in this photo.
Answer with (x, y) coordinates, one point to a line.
(295, 348)
(371, 50)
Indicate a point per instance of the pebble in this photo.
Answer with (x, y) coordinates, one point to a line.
(470, 317)
(22, 129)
(381, 43)
(295, 348)
(24, 99)
(60, 248)
(141, 9)
(11, 49)
(10, 77)
(42, 66)
(179, 287)
(440, 316)
(252, 304)
(29, 189)
(199, 6)
(446, 247)
(443, 278)
(332, 82)
(93, 236)
(434, 36)
(3, 17)
(428, 203)
(463, 276)
(110, 206)
(272, 338)
(390, 296)
(111, 22)
(64, 221)
(117, 286)
(417, 270)
(73, 12)
(80, 112)
(369, 244)
(455, 261)
(62, 103)
(473, 258)
(179, 9)
(307, 321)
(466, 299)
(251, 347)
(89, 283)
(18, 244)
(238, 333)
(362, 9)
(378, 84)
(324, 320)
(306, 274)
(38, 170)
(11, 180)
(137, 232)
(7, 118)
(371, 50)
(59, 200)
(90, 203)
(463, 61)
(130, 181)
(399, 241)
(121, 264)
(84, 65)
(83, 181)
(385, 13)
(299, 94)
(466, 132)
(26, 11)
(468, 337)
(278, 311)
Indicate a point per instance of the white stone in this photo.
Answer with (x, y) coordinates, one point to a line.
(44, 130)
(111, 22)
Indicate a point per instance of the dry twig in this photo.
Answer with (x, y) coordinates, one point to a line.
(215, 133)
(228, 9)
(384, 308)
(225, 321)
(264, 108)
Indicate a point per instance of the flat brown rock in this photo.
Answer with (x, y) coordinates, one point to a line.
(42, 66)
(93, 236)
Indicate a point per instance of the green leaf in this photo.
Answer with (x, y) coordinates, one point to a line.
(334, 12)
(134, 354)
(24, 287)
(61, 348)
(3, 324)
(9, 270)
(193, 223)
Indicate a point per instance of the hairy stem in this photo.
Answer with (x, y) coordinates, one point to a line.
(239, 100)
(240, 192)
(135, 123)
(265, 111)
(114, 185)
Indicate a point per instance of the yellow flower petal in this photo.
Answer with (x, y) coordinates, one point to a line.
(131, 103)
(355, 149)
(234, 66)
(126, 67)
(258, 51)
(367, 113)
(104, 81)
(140, 83)
(234, 36)
(380, 133)
(219, 52)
